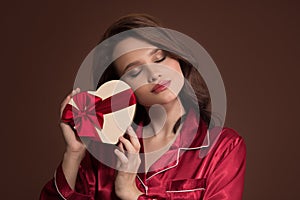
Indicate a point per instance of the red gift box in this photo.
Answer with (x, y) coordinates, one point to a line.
(101, 115)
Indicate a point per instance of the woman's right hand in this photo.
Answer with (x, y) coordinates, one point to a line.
(74, 147)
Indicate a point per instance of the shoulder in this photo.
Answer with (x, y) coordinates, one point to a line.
(231, 137)
(225, 141)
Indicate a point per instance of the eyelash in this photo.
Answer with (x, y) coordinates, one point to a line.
(160, 60)
(133, 75)
(157, 61)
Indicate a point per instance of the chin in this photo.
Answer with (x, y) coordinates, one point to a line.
(160, 101)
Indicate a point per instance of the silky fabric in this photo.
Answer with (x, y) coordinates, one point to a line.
(211, 167)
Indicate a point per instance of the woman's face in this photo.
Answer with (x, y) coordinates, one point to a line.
(155, 77)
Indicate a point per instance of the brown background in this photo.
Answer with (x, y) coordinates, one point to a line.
(254, 44)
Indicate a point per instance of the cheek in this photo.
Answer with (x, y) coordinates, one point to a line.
(140, 91)
(142, 95)
(174, 65)
(136, 83)
(146, 98)
(174, 72)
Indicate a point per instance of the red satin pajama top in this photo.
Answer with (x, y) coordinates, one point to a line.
(212, 167)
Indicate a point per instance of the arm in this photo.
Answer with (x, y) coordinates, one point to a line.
(227, 179)
(59, 188)
(62, 186)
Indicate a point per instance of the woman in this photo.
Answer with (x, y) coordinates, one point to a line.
(161, 163)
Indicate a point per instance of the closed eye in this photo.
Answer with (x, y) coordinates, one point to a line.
(160, 60)
(134, 73)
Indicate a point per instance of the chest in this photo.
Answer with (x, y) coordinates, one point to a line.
(154, 150)
(184, 178)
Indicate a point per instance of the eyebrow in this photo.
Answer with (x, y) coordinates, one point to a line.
(138, 62)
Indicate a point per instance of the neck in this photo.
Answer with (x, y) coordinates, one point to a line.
(163, 118)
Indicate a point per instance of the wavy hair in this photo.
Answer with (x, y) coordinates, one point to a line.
(196, 97)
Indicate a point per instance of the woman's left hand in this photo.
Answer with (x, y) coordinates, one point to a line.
(127, 166)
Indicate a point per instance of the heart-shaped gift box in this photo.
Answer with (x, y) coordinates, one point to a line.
(102, 115)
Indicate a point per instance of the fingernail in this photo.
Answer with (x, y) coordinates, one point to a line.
(116, 151)
(129, 129)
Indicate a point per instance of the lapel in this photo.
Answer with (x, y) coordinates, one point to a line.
(192, 136)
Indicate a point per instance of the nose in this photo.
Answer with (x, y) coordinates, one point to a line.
(153, 75)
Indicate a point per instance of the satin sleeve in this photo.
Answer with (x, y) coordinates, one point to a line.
(58, 187)
(227, 179)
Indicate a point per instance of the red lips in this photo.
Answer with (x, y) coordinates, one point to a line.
(161, 86)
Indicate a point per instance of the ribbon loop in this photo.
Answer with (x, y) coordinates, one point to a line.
(90, 110)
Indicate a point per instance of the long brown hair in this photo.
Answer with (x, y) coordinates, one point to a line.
(197, 96)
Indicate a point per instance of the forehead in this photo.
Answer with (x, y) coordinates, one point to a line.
(130, 44)
(130, 50)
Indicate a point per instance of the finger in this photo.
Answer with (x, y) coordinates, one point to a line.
(68, 98)
(123, 159)
(131, 132)
(129, 147)
(65, 101)
(76, 91)
(133, 138)
(121, 147)
(63, 104)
